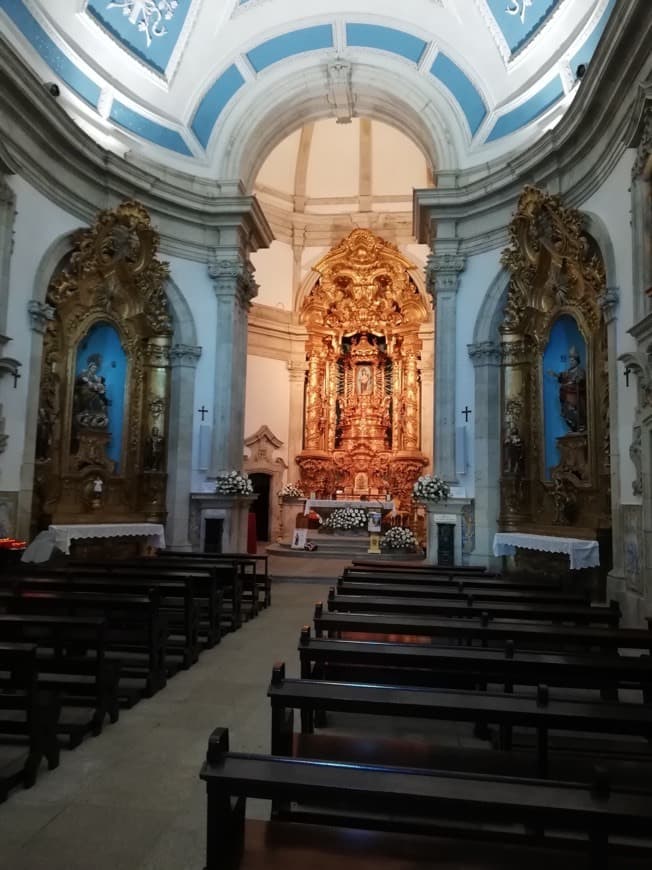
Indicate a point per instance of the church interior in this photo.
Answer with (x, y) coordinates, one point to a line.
(325, 434)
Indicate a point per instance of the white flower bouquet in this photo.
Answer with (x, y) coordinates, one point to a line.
(233, 483)
(346, 519)
(291, 490)
(429, 487)
(399, 538)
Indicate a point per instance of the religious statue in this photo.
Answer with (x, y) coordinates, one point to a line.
(90, 400)
(514, 452)
(572, 392)
(563, 501)
(363, 381)
(154, 451)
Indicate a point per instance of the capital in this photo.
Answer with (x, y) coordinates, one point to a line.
(608, 302)
(232, 276)
(484, 353)
(443, 272)
(40, 314)
(186, 355)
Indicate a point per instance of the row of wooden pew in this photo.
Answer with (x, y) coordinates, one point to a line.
(81, 640)
(559, 690)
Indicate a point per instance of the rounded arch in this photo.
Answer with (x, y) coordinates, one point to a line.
(490, 314)
(50, 261)
(597, 228)
(284, 99)
(185, 331)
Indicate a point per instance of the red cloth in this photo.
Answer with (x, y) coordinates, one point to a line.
(252, 537)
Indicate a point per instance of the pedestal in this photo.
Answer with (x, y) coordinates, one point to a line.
(290, 508)
(231, 512)
(448, 513)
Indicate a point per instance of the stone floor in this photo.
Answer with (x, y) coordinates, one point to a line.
(131, 798)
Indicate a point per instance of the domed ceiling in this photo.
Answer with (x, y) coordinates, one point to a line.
(188, 83)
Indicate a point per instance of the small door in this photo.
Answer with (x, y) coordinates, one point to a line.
(262, 486)
(445, 544)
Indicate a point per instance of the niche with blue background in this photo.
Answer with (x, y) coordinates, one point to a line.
(103, 339)
(565, 333)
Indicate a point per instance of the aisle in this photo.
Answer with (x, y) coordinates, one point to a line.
(131, 799)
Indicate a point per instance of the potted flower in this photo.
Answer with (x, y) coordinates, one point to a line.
(291, 490)
(346, 520)
(399, 538)
(431, 488)
(233, 483)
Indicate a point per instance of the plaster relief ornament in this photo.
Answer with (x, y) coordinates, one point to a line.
(147, 15)
(518, 7)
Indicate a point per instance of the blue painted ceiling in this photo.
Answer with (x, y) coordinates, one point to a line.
(165, 71)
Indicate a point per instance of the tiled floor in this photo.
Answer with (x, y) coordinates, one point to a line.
(131, 799)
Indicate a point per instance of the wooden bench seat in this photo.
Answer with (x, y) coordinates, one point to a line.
(482, 630)
(237, 578)
(397, 800)
(422, 568)
(472, 583)
(71, 658)
(470, 667)
(541, 713)
(459, 592)
(259, 561)
(136, 631)
(473, 607)
(28, 719)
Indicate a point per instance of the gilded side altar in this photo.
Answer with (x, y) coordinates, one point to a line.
(363, 389)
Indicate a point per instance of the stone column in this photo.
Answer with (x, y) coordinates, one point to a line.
(297, 371)
(234, 288)
(609, 305)
(183, 365)
(40, 314)
(443, 272)
(485, 356)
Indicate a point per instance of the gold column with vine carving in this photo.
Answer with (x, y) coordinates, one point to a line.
(517, 431)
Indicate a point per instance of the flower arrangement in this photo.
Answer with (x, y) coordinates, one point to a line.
(399, 538)
(233, 483)
(346, 519)
(291, 490)
(429, 487)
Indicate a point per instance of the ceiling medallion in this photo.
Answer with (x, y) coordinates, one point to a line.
(147, 15)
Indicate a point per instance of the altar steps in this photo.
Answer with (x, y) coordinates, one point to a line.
(339, 546)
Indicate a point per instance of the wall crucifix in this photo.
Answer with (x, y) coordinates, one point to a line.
(466, 413)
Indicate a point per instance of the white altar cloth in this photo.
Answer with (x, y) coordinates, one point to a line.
(63, 535)
(581, 553)
(370, 504)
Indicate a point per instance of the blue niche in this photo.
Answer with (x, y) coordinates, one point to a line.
(564, 386)
(100, 355)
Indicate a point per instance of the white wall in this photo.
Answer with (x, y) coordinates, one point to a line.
(475, 281)
(268, 399)
(612, 203)
(274, 275)
(38, 225)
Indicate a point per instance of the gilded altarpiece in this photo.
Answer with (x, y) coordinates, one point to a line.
(555, 476)
(104, 395)
(363, 394)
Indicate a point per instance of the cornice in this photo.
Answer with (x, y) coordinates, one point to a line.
(45, 147)
(574, 159)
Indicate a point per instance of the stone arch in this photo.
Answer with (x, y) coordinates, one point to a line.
(288, 98)
(485, 356)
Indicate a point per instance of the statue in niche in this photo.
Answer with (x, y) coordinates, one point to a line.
(91, 403)
(363, 381)
(154, 450)
(514, 451)
(572, 392)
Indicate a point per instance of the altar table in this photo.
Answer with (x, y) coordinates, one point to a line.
(581, 553)
(333, 504)
(61, 536)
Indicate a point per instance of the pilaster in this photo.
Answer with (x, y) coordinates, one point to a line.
(443, 271)
(234, 286)
(297, 370)
(183, 364)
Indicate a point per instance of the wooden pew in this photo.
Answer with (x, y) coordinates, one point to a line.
(235, 576)
(71, 658)
(426, 665)
(28, 719)
(453, 593)
(484, 631)
(471, 583)
(505, 710)
(177, 601)
(474, 607)
(225, 578)
(401, 800)
(423, 568)
(260, 563)
(136, 631)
